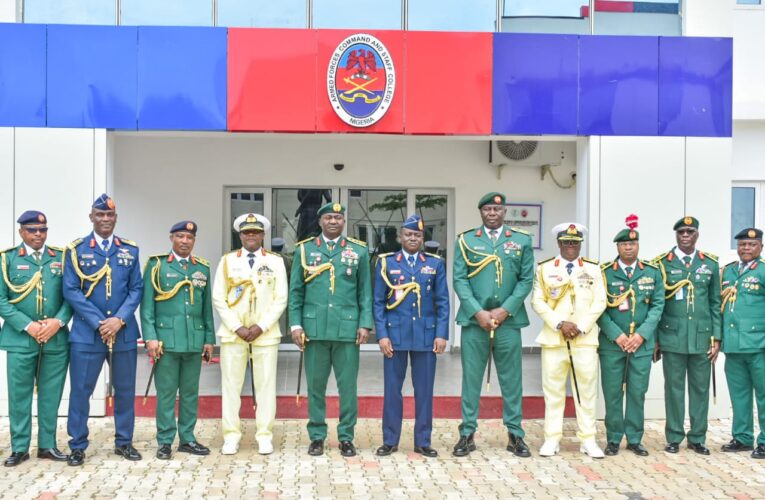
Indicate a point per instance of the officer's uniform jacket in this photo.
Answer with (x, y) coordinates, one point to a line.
(692, 307)
(177, 303)
(245, 296)
(100, 285)
(638, 300)
(493, 274)
(579, 298)
(40, 285)
(411, 304)
(743, 296)
(331, 291)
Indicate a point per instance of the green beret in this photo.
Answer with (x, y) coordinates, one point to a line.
(626, 234)
(686, 221)
(491, 199)
(331, 208)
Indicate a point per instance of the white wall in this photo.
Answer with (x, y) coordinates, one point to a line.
(8, 11)
(708, 17)
(748, 70)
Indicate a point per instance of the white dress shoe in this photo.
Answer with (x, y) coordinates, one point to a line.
(265, 446)
(591, 448)
(230, 447)
(549, 448)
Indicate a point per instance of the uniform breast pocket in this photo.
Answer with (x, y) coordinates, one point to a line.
(165, 333)
(20, 278)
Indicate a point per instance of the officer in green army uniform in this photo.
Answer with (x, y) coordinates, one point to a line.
(493, 275)
(330, 306)
(35, 336)
(743, 308)
(177, 325)
(635, 300)
(688, 335)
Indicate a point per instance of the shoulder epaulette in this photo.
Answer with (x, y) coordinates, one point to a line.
(730, 263)
(435, 256)
(711, 256)
(358, 242)
(659, 257)
(519, 230)
(202, 261)
(53, 247)
(383, 255)
(129, 242)
(467, 231)
(591, 261)
(158, 255)
(545, 261)
(649, 264)
(606, 265)
(276, 254)
(75, 243)
(303, 241)
(7, 249)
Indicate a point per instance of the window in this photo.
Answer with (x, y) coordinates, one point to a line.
(744, 203)
(167, 13)
(642, 18)
(452, 15)
(262, 13)
(550, 16)
(749, 2)
(359, 14)
(70, 11)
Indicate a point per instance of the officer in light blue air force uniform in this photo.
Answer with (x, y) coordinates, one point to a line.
(102, 283)
(411, 311)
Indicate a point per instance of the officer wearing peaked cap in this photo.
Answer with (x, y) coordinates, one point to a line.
(34, 335)
(493, 274)
(688, 335)
(102, 283)
(743, 341)
(177, 325)
(411, 310)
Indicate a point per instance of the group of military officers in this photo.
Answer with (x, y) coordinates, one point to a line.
(619, 316)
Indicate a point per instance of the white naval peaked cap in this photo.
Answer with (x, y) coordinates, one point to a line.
(570, 231)
(251, 221)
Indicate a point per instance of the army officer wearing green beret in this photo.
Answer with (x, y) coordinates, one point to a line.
(35, 336)
(743, 323)
(177, 325)
(635, 300)
(493, 275)
(330, 306)
(688, 335)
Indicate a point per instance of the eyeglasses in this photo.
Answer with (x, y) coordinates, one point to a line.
(686, 231)
(36, 230)
(570, 243)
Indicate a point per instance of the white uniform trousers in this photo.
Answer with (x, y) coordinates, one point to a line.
(556, 369)
(233, 367)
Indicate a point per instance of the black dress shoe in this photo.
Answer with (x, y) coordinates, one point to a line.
(735, 445)
(673, 447)
(316, 448)
(16, 458)
(426, 451)
(699, 448)
(76, 458)
(194, 448)
(164, 452)
(464, 446)
(128, 452)
(517, 446)
(347, 449)
(611, 449)
(759, 452)
(385, 450)
(51, 454)
(638, 449)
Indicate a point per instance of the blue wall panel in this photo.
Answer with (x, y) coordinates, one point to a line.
(535, 84)
(182, 76)
(695, 86)
(92, 76)
(22, 75)
(618, 85)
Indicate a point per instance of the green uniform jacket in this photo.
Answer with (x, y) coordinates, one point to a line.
(179, 324)
(744, 318)
(513, 249)
(18, 269)
(325, 315)
(649, 291)
(689, 321)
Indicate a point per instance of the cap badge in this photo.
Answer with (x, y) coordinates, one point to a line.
(110, 203)
(688, 221)
(41, 218)
(190, 226)
(498, 200)
(337, 207)
(751, 233)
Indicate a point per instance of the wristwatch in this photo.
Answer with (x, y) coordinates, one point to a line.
(560, 323)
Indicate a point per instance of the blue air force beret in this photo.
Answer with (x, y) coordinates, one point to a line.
(186, 226)
(331, 208)
(750, 233)
(413, 222)
(32, 217)
(104, 202)
(277, 244)
(492, 198)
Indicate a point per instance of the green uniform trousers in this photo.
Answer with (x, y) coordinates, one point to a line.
(697, 368)
(21, 372)
(343, 358)
(507, 359)
(177, 373)
(745, 372)
(621, 421)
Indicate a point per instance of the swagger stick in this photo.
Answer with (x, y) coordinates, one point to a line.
(573, 372)
(151, 375)
(252, 379)
(491, 350)
(627, 359)
(39, 363)
(714, 375)
(300, 369)
(109, 397)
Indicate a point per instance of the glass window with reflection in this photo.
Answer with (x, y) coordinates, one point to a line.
(262, 13)
(749, 2)
(70, 11)
(651, 18)
(167, 13)
(452, 15)
(742, 210)
(549, 16)
(358, 14)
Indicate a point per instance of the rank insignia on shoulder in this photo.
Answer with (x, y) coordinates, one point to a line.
(202, 261)
(591, 261)
(358, 242)
(545, 261)
(129, 242)
(709, 255)
(606, 265)
(75, 243)
(519, 230)
(649, 264)
(435, 256)
(53, 247)
(303, 241)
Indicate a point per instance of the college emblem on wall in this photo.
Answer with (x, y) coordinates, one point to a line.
(361, 80)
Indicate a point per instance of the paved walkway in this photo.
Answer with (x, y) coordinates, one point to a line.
(490, 472)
